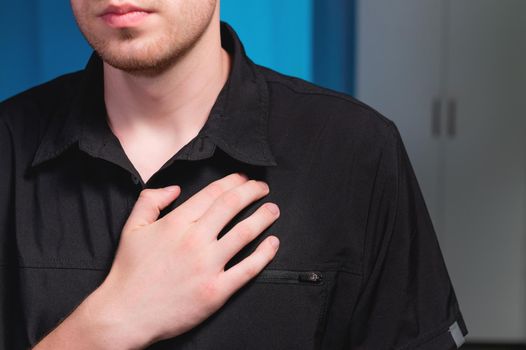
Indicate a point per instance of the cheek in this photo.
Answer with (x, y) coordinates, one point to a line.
(79, 9)
(81, 14)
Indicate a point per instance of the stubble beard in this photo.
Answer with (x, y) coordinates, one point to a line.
(154, 58)
(144, 54)
(152, 55)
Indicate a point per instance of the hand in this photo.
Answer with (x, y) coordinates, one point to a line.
(168, 274)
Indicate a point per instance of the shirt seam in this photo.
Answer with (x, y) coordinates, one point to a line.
(397, 195)
(12, 178)
(72, 267)
(55, 263)
(337, 96)
(21, 266)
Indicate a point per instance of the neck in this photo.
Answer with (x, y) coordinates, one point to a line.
(154, 116)
(176, 102)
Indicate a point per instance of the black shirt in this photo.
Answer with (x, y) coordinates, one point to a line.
(359, 266)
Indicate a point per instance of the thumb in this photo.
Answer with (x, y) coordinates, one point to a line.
(149, 205)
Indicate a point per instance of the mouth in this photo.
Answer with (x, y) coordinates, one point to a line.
(124, 15)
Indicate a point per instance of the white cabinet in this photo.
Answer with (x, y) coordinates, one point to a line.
(452, 75)
(399, 73)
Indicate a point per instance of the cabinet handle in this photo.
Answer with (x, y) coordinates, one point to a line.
(452, 118)
(436, 111)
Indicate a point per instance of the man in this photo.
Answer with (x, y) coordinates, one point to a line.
(140, 202)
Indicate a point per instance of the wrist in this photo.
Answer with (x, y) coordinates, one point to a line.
(107, 321)
(91, 326)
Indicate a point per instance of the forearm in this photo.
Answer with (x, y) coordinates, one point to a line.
(94, 326)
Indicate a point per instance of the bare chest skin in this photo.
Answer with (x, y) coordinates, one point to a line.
(148, 153)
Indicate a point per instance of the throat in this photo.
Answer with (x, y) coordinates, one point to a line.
(148, 156)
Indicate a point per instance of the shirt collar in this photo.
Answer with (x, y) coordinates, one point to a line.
(237, 124)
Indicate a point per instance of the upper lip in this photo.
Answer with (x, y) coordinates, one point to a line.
(121, 9)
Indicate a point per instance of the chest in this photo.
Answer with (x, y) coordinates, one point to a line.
(68, 228)
(149, 154)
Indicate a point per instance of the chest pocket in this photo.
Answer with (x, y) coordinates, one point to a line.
(279, 309)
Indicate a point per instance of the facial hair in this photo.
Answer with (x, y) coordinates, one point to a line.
(139, 53)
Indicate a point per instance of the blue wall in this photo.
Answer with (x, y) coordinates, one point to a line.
(276, 33)
(17, 40)
(39, 45)
(334, 42)
(291, 36)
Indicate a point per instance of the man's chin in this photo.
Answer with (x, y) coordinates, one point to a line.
(138, 66)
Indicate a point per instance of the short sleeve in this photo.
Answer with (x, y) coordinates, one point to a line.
(407, 300)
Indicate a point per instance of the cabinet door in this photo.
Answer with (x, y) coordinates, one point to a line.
(399, 73)
(485, 179)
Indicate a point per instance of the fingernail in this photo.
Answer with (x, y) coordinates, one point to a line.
(172, 188)
(264, 185)
(273, 208)
(274, 242)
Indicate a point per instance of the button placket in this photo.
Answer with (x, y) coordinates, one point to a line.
(135, 179)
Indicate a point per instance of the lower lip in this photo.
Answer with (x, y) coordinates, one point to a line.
(129, 19)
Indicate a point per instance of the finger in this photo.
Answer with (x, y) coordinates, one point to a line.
(194, 207)
(228, 205)
(238, 275)
(245, 231)
(149, 205)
